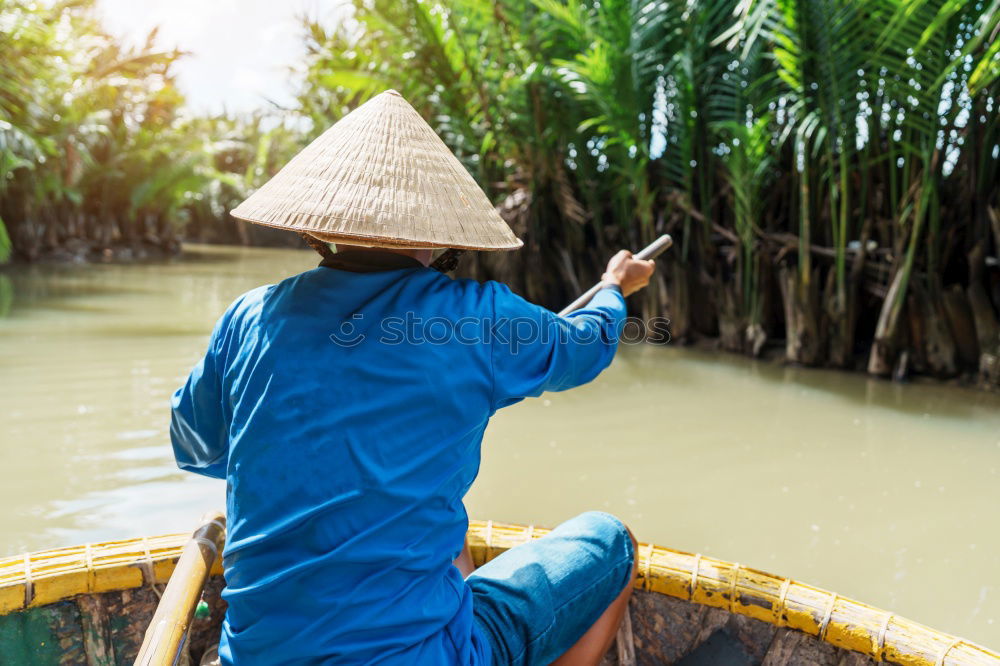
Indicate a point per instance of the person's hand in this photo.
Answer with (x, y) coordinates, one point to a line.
(628, 273)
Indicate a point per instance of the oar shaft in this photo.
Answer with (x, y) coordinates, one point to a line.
(651, 251)
(167, 631)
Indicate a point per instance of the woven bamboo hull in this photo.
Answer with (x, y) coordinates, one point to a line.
(666, 630)
(91, 605)
(96, 629)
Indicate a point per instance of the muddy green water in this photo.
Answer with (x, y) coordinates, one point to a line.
(885, 493)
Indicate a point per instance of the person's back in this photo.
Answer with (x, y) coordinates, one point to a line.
(355, 405)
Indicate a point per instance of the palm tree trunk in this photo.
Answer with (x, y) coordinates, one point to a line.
(803, 340)
(985, 318)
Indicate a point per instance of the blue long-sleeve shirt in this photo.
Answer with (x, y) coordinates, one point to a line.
(346, 411)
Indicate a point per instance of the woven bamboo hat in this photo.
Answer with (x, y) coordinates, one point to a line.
(380, 177)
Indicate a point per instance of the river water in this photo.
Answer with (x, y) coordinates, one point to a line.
(885, 493)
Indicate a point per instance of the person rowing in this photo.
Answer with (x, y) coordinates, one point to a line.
(346, 407)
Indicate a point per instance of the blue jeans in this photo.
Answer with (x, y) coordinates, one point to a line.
(533, 602)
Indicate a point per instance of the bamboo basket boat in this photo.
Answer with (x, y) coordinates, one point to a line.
(92, 604)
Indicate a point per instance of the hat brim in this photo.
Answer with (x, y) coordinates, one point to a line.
(378, 241)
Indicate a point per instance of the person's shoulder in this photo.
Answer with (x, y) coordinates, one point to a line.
(255, 298)
(500, 300)
(469, 287)
(506, 298)
(457, 294)
(244, 306)
(250, 299)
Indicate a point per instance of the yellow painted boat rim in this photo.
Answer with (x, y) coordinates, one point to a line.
(37, 579)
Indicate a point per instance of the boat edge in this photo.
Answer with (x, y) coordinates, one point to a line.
(44, 577)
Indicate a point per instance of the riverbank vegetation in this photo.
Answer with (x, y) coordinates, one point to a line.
(98, 157)
(828, 168)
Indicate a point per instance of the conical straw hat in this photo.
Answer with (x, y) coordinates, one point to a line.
(380, 177)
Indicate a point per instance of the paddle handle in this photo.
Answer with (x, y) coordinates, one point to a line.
(651, 251)
(167, 632)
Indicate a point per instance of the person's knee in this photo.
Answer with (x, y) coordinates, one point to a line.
(635, 554)
(601, 522)
(615, 532)
(635, 557)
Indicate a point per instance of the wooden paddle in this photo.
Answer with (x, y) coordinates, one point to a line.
(448, 261)
(167, 632)
(652, 251)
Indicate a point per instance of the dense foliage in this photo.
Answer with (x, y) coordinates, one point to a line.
(828, 168)
(97, 156)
